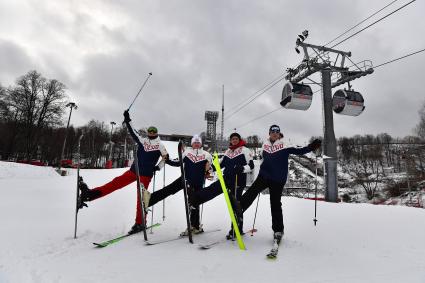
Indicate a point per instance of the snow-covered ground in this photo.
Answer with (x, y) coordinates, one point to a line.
(351, 242)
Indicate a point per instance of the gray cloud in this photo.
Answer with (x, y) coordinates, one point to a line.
(103, 50)
(14, 60)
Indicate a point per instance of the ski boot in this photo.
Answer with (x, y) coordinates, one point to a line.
(232, 235)
(195, 230)
(86, 194)
(83, 196)
(136, 229)
(277, 236)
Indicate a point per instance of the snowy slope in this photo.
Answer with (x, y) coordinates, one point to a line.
(351, 243)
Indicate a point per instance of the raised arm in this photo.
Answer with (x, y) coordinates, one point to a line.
(134, 135)
(306, 149)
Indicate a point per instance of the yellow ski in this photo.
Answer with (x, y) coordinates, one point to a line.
(229, 205)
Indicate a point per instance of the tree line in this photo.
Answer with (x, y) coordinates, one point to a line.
(32, 115)
(372, 161)
(34, 109)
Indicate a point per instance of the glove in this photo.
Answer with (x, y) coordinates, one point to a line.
(238, 169)
(208, 175)
(156, 168)
(126, 116)
(315, 144)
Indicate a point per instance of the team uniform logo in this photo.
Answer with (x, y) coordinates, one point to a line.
(235, 153)
(150, 147)
(195, 158)
(273, 148)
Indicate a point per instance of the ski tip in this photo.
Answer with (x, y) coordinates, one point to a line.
(98, 245)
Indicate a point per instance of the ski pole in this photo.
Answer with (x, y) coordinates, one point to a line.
(163, 201)
(202, 206)
(153, 190)
(236, 195)
(315, 194)
(255, 216)
(78, 182)
(140, 188)
(140, 90)
(202, 211)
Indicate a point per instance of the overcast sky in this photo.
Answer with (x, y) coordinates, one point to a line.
(103, 50)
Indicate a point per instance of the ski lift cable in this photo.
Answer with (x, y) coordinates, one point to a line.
(399, 58)
(350, 29)
(377, 66)
(265, 114)
(375, 22)
(280, 78)
(253, 98)
(255, 93)
(356, 25)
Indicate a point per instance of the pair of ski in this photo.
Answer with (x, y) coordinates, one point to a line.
(207, 246)
(122, 237)
(171, 239)
(150, 243)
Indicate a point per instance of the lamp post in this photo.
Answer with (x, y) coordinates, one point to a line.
(109, 162)
(71, 105)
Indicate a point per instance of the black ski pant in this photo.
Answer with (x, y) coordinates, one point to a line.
(168, 190)
(173, 188)
(275, 190)
(213, 190)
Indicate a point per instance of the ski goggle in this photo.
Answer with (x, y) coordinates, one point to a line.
(274, 129)
(152, 130)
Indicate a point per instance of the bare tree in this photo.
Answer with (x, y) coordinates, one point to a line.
(385, 139)
(420, 128)
(253, 142)
(37, 103)
(362, 159)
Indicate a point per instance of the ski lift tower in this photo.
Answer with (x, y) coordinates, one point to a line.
(296, 95)
(211, 117)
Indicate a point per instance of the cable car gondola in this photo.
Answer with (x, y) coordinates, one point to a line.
(348, 102)
(296, 96)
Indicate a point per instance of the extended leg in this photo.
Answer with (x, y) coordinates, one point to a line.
(206, 194)
(250, 195)
(117, 183)
(168, 190)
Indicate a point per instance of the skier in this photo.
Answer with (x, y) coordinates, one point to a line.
(237, 162)
(197, 164)
(273, 174)
(149, 151)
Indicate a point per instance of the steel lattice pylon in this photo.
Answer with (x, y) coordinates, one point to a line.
(211, 117)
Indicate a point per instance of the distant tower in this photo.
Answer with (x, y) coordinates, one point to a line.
(222, 119)
(211, 117)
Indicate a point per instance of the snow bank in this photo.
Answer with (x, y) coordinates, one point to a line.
(10, 170)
